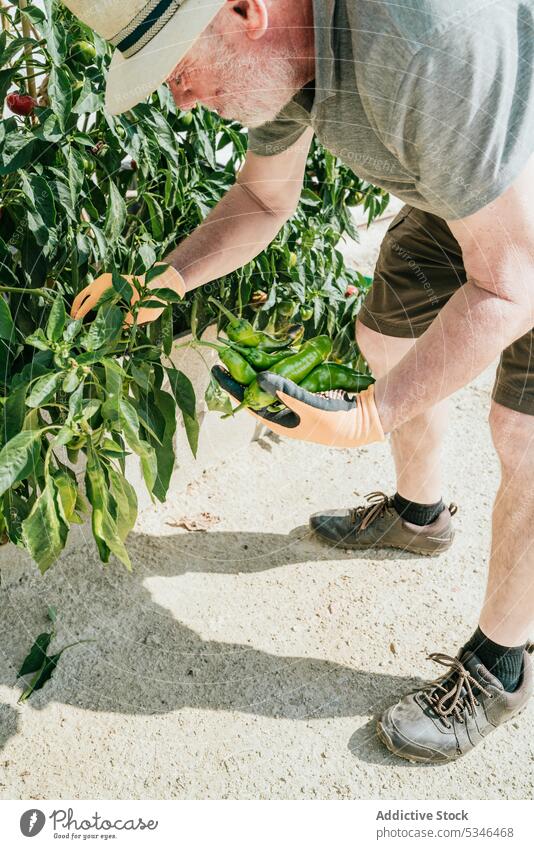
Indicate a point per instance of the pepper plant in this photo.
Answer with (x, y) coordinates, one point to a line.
(84, 192)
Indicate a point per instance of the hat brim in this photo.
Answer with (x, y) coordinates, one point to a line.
(130, 81)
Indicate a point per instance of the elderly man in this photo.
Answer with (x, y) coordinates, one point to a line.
(433, 101)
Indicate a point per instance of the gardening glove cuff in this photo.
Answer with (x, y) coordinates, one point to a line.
(341, 422)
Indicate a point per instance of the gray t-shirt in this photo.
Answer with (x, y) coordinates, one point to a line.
(433, 100)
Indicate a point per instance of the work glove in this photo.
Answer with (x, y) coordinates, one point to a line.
(341, 421)
(89, 296)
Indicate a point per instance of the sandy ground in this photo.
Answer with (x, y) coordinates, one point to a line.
(249, 660)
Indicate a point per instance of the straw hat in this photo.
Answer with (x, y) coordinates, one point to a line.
(150, 37)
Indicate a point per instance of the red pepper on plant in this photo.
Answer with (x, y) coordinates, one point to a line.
(21, 104)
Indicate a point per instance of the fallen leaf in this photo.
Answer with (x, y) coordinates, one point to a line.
(195, 523)
(393, 648)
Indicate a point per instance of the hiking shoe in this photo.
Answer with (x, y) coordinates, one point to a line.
(450, 716)
(378, 525)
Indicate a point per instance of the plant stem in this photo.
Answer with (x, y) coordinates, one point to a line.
(45, 292)
(222, 309)
(26, 31)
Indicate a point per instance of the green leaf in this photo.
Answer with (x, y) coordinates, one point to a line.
(106, 328)
(60, 94)
(34, 14)
(41, 676)
(75, 173)
(7, 328)
(38, 340)
(18, 458)
(16, 153)
(39, 193)
(167, 330)
(36, 656)
(115, 215)
(43, 200)
(141, 373)
(70, 381)
(63, 436)
(75, 402)
(56, 36)
(165, 451)
(183, 391)
(155, 211)
(14, 412)
(126, 499)
(50, 131)
(45, 530)
(43, 389)
(6, 77)
(155, 272)
(121, 285)
(130, 424)
(147, 255)
(104, 512)
(114, 377)
(56, 319)
(168, 294)
(88, 100)
(15, 509)
(67, 488)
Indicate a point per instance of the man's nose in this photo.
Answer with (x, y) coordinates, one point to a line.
(182, 93)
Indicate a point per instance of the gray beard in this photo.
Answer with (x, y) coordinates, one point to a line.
(264, 97)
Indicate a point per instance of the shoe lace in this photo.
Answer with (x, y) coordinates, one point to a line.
(452, 693)
(377, 503)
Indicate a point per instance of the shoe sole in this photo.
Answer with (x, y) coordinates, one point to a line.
(383, 737)
(347, 546)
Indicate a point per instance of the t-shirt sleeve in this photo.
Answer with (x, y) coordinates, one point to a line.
(463, 119)
(276, 136)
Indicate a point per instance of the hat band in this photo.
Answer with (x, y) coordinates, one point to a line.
(144, 26)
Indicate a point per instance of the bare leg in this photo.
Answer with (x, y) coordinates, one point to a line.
(416, 445)
(508, 611)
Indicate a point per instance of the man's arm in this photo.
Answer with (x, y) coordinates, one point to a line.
(247, 218)
(491, 310)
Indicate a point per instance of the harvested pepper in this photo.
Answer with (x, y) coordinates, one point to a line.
(292, 336)
(237, 366)
(241, 331)
(263, 360)
(335, 376)
(295, 368)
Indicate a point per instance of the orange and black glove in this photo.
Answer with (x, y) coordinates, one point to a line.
(89, 296)
(342, 421)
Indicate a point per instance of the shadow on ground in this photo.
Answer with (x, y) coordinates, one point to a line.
(144, 661)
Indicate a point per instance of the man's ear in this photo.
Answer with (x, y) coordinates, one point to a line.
(254, 16)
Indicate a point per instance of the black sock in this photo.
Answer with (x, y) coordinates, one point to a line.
(505, 662)
(418, 514)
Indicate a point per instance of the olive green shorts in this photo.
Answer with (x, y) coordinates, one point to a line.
(419, 268)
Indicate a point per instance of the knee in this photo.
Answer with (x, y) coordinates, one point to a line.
(381, 352)
(373, 348)
(513, 438)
